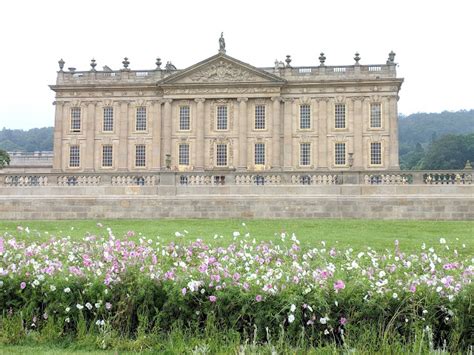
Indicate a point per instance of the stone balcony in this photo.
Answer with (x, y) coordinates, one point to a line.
(291, 74)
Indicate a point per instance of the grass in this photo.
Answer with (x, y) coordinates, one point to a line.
(357, 234)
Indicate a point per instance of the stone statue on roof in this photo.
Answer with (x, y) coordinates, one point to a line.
(222, 43)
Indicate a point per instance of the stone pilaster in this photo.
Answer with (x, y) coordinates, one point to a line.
(288, 133)
(200, 125)
(393, 140)
(243, 118)
(166, 149)
(276, 163)
(58, 136)
(89, 158)
(155, 123)
(122, 117)
(323, 133)
(359, 117)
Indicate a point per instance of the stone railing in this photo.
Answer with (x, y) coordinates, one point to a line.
(388, 179)
(219, 178)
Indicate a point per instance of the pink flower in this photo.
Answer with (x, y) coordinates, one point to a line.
(212, 299)
(342, 321)
(23, 285)
(108, 305)
(413, 288)
(258, 298)
(339, 285)
(130, 233)
(183, 291)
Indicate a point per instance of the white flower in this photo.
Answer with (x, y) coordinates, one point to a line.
(395, 295)
(89, 306)
(293, 308)
(52, 288)
(438, 289)
(178, 234)
(382, 274)
(68, 309)
(236, 234)
(323, 320)
(36, 282)
(291, 318)
(425, 311)
(326, 332)
(442, 241)
(79, 306)
(67, 320)
(67, 290)
(97, 305)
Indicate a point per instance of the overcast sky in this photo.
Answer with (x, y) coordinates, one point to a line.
(432, 40)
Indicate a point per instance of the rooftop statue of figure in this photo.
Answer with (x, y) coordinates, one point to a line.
(222, 43)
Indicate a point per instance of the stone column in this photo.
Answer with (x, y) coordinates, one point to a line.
(89, 159)
(358, 120)
(122, 117)
(200, 125)
(393, 126)
(276, 163)
(166, 149)
(155, 122)
(58, 136)
(323, 133)
(243, 118)
(288, 133)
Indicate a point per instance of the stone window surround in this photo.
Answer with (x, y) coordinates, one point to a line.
(380, 114)
(76, 157)
(338, 114)
(181, 123)
(141, 112)
(140, 156)
(308, 154)
(218, 106)
(222, 155)
(75, 119)
(103, 157)
(308, 105)
(262, 116)
(261, 154)
(185, 154)
(335, 156)
(382, 151)
(108, 119)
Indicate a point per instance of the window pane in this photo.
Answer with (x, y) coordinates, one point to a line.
(141, 119)
(340, 116)
(75, 119)
(340, 154)
(184, 118)
(259, 154)
(107, 156)
(375, 115)
(305, 117)
(108, 119)
(221, 156)
(183, 155)
(260, 117)
(140, 158)
(74, 156)
(305, 154)
(376, 153)
(221, 117)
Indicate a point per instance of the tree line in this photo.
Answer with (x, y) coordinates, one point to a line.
(427, 140)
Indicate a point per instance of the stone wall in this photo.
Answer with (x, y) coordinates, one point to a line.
(442, 202)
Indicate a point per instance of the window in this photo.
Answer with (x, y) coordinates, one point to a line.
(75, 119)
(222, 117)
(140, 157)
(305, 117)
(340, 154)
(305, 154)
(340, 116)
(221, 155)
(376, 153)
(260, 154)
(107, 155)
(260, 117)
(74, 156)
(375, 115)
(184, 118)
(183, 154)
(108, 119)
(140, 124)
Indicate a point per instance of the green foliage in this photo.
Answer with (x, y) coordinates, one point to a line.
(35, 139)
(449, 152)
(4, 158)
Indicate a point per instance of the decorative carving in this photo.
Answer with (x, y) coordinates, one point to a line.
(288, 61)
(125, 63)
(222, 44)
(200, 100)
(357, 58)
(61, 63)
(93, 64)
(242, 99)
(221, 72)
(158, 63)
(322, 59)
(391, 58)
(224, 90)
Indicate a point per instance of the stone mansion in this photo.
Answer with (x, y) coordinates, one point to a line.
(224, 114)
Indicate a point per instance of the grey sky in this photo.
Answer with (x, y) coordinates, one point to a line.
(432, 39)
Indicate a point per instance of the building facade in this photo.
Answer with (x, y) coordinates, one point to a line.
(224, 114)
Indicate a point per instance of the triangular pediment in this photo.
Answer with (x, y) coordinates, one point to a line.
(221, 69)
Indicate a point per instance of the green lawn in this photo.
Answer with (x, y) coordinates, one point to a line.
(344, 233)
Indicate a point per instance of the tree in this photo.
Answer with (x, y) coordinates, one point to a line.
(4, 158)
(449, 152)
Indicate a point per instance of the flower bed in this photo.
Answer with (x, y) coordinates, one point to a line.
(318, 296)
